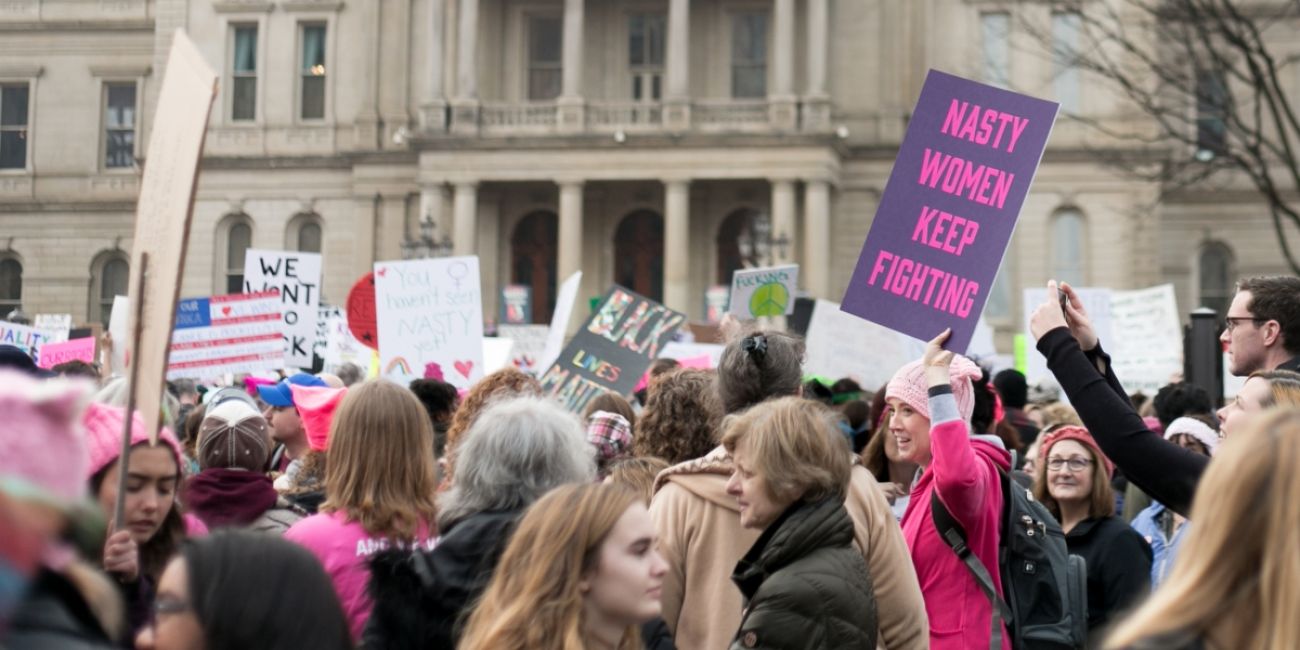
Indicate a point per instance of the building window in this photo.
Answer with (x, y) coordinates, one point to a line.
(639, 254)
(1211, 109)
(533, 260)
(995, 28)
(239, 237)
(11, 286)
(243, 74)
(111, 280)
(1215, 277)
(1068, 247)
(645, 55)
(1066, 30)
(119, 125)
(13, 126)
(749, 55)
(312, 101)
(545, 60)
(998, 306)
(309, 237)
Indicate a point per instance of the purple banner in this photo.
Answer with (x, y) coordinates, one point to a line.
(949, 209)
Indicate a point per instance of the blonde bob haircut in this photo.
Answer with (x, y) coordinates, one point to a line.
(380, 469)
(1236, 581)
(535, 599)
(796, 446)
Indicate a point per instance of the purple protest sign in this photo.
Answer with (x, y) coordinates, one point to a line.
(949, 209)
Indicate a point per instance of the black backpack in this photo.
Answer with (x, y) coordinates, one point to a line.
(1046, 605)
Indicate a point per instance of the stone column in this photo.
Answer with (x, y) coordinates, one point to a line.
(464, 108)
(783, 102)
(817, 104)
(465, 230)
(783, 209)
(433, 111)
(817, 238)
(570, 253)
(677, 101)
(391, 229)
(366, 209)
(570, 115)
(677, 257)
(433, 206)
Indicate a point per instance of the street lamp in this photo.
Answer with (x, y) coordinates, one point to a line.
(426, 245)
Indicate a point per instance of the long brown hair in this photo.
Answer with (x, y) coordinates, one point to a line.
(534, 601)
(1237, 577)
(380, 470)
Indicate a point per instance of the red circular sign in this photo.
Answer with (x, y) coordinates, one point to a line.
(361, 311)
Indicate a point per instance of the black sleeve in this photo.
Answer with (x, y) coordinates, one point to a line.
(1163, 470)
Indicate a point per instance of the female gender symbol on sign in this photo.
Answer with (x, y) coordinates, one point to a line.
(457, 272)
(769, 300)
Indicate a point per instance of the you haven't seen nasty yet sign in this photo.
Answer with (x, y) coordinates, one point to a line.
(948, 212)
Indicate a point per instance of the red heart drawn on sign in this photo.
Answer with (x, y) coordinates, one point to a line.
(381, 272)
(464, 368)
(225, 310)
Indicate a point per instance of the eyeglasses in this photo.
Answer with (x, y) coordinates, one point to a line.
(1230, 323)
(1075, 464)
(166, 606)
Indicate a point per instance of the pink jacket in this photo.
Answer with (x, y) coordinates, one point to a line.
(964, 471)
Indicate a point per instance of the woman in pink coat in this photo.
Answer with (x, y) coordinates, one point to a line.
(930, 404)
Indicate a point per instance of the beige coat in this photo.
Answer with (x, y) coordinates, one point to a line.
(702, 540)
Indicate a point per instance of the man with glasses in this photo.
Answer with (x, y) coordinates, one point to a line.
(1262, 327)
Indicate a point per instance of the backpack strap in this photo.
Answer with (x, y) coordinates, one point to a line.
(952, 534)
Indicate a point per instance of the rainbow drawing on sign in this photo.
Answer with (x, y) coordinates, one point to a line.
(770, 299)
(398, 363)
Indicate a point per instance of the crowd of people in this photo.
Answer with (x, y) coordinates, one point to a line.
(747, 506)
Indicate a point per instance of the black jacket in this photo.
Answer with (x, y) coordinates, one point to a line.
(54, 616)
(804, 584)
(1119, 567)
(1292, 364)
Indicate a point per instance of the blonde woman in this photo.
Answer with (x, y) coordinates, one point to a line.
(1236, 582)
(379, 486)
(580, 573)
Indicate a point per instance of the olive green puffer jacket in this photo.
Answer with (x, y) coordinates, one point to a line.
(805, 586)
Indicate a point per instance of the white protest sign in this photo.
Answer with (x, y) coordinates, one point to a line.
(1096, 301)
(1150, 348)
(323, 329)
(26, 338)
(340, 345)
(236, 333)
(430, 319)
(297, 276)
(497, 353)
(117, 321)
(560, 321)
(768, 291)
(529, 345)
(843, 345)
(56, 325)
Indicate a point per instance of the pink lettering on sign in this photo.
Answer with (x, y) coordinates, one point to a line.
(925, 284)
(52, 354)
(952, 175)
(971, 122)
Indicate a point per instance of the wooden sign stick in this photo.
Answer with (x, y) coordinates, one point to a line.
(124, 461)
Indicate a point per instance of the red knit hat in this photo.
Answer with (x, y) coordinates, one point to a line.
(1077, 434)
(316, 406)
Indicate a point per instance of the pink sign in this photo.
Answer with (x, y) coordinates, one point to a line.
(52, 354)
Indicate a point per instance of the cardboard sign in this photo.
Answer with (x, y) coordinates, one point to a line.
(236, 333)
(57, 326)
(613, 349)
(340, 346)
(52, 354)
(1150, 349)
(768, 291)
(117, 321)
(516, 304)
(949, 209)
(25, 337)
(1096, 301)
(529, 345)
(162, 222)
(564, 302)
(296, 276)
(430, 313)
(840, 345)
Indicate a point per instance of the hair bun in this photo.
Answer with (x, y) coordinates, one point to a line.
(755, 346)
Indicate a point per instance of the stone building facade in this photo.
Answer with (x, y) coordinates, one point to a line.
(662, 146)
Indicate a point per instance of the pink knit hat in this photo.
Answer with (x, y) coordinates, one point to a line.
(316, 406)
(42, 450)
(910, 386)
(104, 436)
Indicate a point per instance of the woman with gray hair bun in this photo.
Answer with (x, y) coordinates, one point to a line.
(516, 451)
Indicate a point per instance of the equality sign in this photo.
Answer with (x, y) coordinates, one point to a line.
(296, 275)
(762, 292)
(430, 319)
(949, 209)
(52, 354)
(236, 333)
(612, 350)
(26, 338)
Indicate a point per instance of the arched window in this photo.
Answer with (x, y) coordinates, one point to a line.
(742, 242)
(234, 237)
(533, 260)
(1068, 235)
(1214, 277)
(309, 236)
(11, 285)
(110, 277)
(639, 254)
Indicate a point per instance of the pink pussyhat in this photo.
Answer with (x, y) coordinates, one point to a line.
(910, 386)
(104, 436)
(42, 449)
(316, 406)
